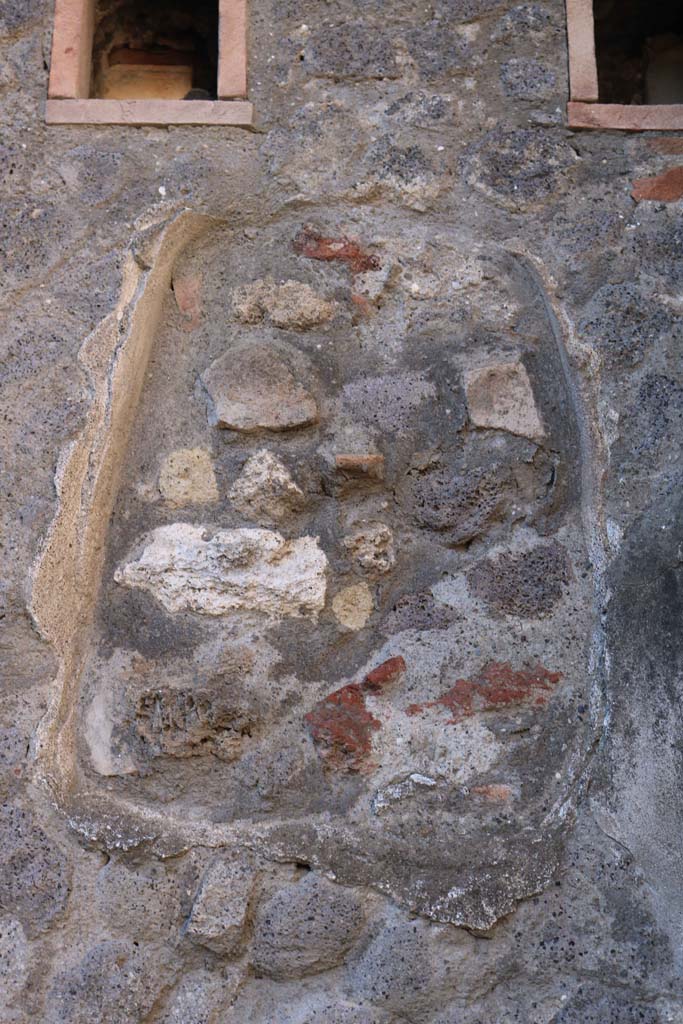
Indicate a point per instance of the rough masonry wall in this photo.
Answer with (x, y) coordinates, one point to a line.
(341, 541)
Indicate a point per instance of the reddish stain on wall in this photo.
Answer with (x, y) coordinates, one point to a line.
(498, 686)
(341, 250)
(664, 188)
(341, 726)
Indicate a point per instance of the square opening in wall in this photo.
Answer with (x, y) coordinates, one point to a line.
(639, 51)
(155, 49)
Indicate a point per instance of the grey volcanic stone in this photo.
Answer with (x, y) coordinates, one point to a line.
(34, 871)
(528, 584)
(527, 79)
(305, 927)
(520, 168)
(116, 982)
(354, 51)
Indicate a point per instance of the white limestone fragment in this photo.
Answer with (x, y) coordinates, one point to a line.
(265, 489)
(213, 572)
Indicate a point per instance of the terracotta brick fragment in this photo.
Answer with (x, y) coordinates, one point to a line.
(341, 728)
(388, 672)
(665, 188)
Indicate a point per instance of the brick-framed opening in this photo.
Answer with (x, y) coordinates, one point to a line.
(69, 100)
(585, 109)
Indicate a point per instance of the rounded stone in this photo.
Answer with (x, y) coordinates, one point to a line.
(353, 606)
(305, 927)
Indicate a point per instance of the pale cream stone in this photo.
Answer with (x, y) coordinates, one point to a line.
(265, 489)
(372, 547)
(292, 305)
(213, 572)
(499, 396)
(187, 478)
(353, 606)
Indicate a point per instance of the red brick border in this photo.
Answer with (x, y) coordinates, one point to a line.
(70, 71)
(583, 110)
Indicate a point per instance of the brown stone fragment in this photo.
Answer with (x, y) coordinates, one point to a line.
(499, 397)
(369, 465)
(664, 188)
(254, 389)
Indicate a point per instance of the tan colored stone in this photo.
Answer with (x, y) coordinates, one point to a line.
(292, 305)
(187, 478)
(254, 389)
(214, 572)
(353, 606)
(372, 547)
(499, 396)
(219, 912)
(265, 489)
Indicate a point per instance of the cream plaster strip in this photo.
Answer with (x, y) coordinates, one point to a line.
(150, 112)
(67, 574)
(583, 69)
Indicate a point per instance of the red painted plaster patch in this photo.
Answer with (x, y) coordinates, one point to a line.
(341, 250)
(388, 672)
(341, 726)
(664, 188)
(498, 686)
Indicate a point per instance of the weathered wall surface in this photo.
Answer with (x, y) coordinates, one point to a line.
(341, 541)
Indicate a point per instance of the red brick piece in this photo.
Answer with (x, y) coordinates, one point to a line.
(340, 250)
(665, 188)
(497, 687)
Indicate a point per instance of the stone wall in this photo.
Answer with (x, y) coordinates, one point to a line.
(341, 542)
